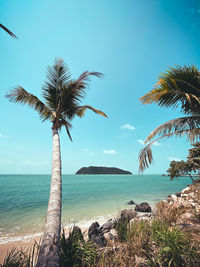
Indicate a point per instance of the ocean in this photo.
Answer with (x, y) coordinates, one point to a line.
(86, 198)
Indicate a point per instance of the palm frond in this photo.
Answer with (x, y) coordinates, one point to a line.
(145, 155)
(58, 78)
(180, 124)
(20, 95)
(179, 85)
(81, 111)
(8, 31)
(67, 125)
(72, 94)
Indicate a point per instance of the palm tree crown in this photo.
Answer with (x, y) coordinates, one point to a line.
(177, 87)
(62, 96)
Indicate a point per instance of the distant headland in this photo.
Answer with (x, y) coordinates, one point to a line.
(101, 170)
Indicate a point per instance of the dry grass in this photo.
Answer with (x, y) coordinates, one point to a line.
(169, 213)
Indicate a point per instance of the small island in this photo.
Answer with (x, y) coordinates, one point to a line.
(101, 170)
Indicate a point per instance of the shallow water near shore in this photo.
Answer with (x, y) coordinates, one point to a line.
(24, 199)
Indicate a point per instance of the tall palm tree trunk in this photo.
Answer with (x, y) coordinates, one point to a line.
(50, 246)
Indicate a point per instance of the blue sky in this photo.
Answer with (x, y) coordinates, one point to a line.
(130, 41)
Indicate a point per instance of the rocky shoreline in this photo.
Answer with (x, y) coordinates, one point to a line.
(182, 208)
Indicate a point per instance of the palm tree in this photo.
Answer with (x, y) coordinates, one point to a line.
(177, 87)
(62, 102)
(8, 31)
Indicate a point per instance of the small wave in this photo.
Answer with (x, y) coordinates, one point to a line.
(87, 222)
(24, 238)
(83, 224)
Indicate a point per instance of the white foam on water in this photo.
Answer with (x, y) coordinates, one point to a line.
(87, 222)
(24, 238)
(83, 224)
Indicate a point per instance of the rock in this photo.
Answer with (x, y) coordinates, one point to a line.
(131, 202)
(144, 216)
(100, 241)
(143, 207)
(106, 227)
(184, 190)
(173, 197)
(109, 236)
(114, 232)
(127, 214)
(196, 181)
(178, 194)
(93, 230)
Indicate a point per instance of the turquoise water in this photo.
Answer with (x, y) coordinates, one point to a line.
(24, 198)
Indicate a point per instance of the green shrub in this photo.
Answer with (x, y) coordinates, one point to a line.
(121, 227)
(173, 245)
(76, 252)
(20, 258)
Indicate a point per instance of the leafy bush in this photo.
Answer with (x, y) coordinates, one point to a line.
(121, 227)
(174, 246)
(76, 252)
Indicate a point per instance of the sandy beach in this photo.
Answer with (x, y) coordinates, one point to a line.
(26, 242)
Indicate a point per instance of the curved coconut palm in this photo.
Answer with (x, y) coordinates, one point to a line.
(177, 87)
(62, 102)
(8, 31)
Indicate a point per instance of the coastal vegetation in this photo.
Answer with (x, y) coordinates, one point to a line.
(177, 87)
(168, 238)
(188, 167)
(62, 97)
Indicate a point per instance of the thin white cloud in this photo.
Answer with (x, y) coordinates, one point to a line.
(128, 127)
(111, 151)
(140, 141)
(1, 134)
(156, 144)
(173, 158)
(85, 150)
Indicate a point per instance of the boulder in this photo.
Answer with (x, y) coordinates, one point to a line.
(173, 197)
(131, 202)
(127, 214)
(93, 230)
(144, 216)
(100, 240)
(106, 227)
(109, 236)
(196, 181)
(143, 207)
(185, 190)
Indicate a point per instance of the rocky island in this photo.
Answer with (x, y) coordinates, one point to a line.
(101, 170)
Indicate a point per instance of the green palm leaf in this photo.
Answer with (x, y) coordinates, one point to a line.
(20, 95)
(146, 156)
(179, 86)
(8, 31)
(180, 124)
(81, 111)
